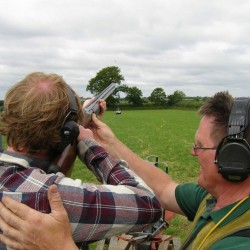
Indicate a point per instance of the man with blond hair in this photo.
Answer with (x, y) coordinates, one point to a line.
(41, 119)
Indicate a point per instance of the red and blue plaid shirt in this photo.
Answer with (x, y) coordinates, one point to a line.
(122, 203)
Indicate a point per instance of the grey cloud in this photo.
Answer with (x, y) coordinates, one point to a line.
(199, 47)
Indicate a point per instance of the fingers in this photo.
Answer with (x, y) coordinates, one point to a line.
(13, 212)
(87, 102)
(10, 243)
(103, 108)
(55, 200)
(95, 120)
(85, 133)
(14, 206)
(58, 212)
(5, 216)
(25, 228)
(9, 224)
(103, 105)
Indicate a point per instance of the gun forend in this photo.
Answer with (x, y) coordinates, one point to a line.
(93, 105)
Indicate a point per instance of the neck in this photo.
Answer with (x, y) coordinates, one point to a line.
(233, 192)
(40, 155)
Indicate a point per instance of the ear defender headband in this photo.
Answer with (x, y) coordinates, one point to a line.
(233, 152)
(70, 129)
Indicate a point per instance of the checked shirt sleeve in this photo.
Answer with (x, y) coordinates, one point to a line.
(122, 203)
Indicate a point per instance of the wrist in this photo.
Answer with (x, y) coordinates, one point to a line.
(114, 146)
(84, 145)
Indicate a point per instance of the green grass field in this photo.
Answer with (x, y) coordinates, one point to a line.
(168, 134)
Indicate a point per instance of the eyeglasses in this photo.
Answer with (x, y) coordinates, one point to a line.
(197, 149)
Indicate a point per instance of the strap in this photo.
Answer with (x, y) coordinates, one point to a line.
(241, 233)
(191, 236)
(238, 119)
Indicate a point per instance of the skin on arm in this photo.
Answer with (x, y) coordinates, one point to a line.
(161, 183)
(27, 229)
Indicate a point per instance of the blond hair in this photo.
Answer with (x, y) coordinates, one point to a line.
(34, 111)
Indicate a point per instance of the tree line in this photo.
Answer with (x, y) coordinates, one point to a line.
(133, 95)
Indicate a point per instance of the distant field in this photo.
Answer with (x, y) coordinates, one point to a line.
(166, 133)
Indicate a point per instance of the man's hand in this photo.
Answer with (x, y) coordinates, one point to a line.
(27, 229)
(85, 133)
(102, 133)
(87, 120)
(103, 108)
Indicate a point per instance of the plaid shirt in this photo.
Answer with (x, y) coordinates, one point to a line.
(122, 203)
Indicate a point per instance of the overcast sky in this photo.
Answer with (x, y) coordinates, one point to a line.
(196, 46)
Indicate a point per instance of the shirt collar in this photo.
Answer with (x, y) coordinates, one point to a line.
(218, 214)
(23, 160)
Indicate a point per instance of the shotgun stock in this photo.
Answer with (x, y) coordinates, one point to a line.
(65, 161)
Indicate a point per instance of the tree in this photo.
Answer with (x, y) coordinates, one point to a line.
(158, 97)
(134, 96)
(102, 79)
(176, 97)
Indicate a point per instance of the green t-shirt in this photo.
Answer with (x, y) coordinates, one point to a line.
(190, 195)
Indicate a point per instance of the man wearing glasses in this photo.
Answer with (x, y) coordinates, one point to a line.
(219, 203)
(198, 149)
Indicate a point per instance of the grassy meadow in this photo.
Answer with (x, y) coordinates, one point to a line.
(169, 134)
(166, 133)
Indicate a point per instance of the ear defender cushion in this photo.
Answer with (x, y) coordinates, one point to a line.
(70, 129)
(69, 132)
(233, 152)
(234, 160)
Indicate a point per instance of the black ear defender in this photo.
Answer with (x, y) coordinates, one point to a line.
(233, 153)
(70, 129)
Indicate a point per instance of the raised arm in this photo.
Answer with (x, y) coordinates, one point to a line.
(121, 203)
(161, 183)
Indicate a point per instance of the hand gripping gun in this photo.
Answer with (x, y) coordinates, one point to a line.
(93, 106)
(65, 161)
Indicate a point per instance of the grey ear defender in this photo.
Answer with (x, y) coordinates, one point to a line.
(233, 152)
(70, 129)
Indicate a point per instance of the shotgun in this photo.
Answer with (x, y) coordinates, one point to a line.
(65, 161)
(93, 106)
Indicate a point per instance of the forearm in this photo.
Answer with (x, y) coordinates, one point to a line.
(97, 159)
(122, 208)
(125, 195)
(111, 171)
(160, 182)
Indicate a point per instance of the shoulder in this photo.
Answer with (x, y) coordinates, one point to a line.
(189, 197)
(190, 191)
